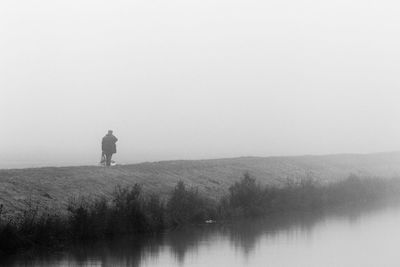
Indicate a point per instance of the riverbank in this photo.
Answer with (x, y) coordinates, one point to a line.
(52, 188)
(338, 232)
(131, 211)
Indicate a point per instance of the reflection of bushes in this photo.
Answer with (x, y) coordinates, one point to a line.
(131, 212)
(30, 229)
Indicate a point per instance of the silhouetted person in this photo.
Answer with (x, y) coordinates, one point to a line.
(108, 146)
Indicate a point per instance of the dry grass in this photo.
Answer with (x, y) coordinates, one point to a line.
(53, 188)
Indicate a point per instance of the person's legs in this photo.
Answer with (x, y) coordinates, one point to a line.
(108, 159)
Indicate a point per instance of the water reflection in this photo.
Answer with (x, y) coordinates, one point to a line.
(236, 244)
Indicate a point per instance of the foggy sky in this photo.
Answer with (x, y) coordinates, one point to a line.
(197, 79)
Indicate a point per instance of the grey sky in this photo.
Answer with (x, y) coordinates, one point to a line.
(197, 79)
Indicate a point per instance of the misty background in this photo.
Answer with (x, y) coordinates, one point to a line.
(197, 79)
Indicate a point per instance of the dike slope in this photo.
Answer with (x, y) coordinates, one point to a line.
(51, 188)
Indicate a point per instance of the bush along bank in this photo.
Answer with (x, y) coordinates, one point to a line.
(131, 212)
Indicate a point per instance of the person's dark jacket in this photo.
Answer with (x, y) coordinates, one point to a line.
(108, 144)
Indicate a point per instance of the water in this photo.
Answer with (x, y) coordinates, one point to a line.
(363, 238)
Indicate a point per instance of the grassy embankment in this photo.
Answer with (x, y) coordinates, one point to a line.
(51, 188)
(131, 211)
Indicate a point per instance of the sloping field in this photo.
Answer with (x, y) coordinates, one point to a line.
(51, 188)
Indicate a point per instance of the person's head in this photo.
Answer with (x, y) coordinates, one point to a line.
(110, 132)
